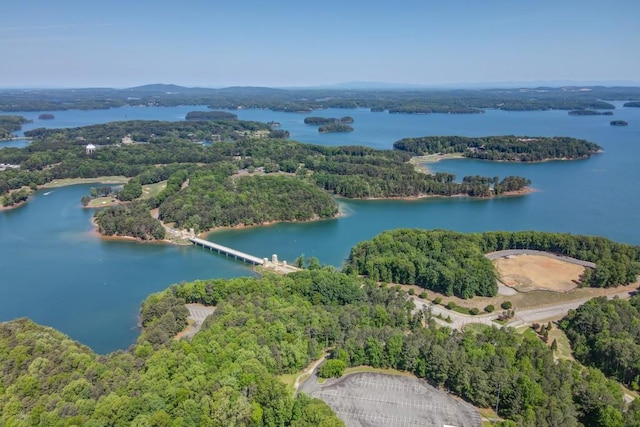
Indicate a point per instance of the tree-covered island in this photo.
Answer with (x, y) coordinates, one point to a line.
(335, 127)
(319, 121)
(502, 148)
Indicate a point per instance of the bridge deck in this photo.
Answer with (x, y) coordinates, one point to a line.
(227, 250)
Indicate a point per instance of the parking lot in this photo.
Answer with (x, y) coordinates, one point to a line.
(374, 399)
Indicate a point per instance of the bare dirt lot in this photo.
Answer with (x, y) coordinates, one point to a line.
(373, 399)
(527, 273)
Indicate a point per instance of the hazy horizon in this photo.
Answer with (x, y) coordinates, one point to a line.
(119, 44)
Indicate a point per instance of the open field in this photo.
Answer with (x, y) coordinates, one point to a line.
(528, 273)
(375, 399)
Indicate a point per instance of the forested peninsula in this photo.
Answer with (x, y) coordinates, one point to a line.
(247, 178)
(454, 263)
(502, 148)
(10, 124)
(229, 372)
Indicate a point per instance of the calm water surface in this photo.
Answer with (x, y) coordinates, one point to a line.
(58, 273)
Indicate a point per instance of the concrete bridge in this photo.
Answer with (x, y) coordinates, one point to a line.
(273, 264)
(228, 251)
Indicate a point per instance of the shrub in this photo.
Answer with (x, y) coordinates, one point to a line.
(506, 305)
(437, 301)
(412, 291)
(450, 305)
(489, 308)
(332, 368)
(423, 295)
(473, 311)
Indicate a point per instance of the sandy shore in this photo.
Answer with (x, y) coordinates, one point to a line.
(421, 162)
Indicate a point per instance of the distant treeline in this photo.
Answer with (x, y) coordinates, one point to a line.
(504, 148)
(453, 263)
(590, 113)
(303, 100)
(635, 104)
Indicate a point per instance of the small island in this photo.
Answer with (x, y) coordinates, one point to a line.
(320, 121)
(618, 123)
(632, 104)
(590, 113)
(335, 127)
(377, 109)
(46, 116)
(210, 115)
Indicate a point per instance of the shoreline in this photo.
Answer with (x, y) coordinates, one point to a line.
(515, 193)
(421, 162)
(14, 206)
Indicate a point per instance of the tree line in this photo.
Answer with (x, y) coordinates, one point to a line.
(606, 334)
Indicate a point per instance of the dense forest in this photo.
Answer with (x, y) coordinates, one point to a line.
(632, 104)
(10, 124)
(606, 334)
(453, 263)
(503, 148)
(226, 374)
(211, 201)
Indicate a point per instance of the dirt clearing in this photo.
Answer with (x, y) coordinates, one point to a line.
(527, 273)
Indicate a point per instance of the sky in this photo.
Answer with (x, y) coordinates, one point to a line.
(212, 43)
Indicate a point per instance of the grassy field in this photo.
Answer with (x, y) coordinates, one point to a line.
(73, 181)
(564, 347)
(100, 202)
(152, 190)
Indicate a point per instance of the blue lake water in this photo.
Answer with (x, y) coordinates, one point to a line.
(58, 273)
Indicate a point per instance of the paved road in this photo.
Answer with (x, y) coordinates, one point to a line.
(198, 313)
(522, 317)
